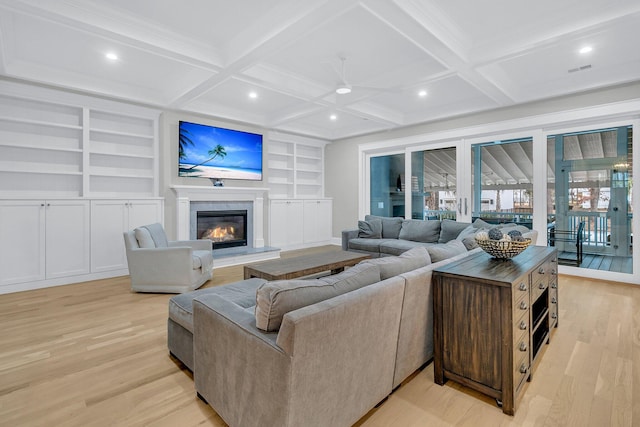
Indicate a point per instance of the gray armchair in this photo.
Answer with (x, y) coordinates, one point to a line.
(158, 265)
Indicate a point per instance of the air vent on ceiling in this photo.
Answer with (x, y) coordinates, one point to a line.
(584, 67)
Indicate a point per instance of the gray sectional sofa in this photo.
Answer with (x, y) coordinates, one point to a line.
(308, 352)
(383, 236)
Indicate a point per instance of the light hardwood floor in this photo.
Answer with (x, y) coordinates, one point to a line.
(94, 354)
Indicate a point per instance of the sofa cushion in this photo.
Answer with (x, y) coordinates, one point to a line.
(398, 247)
(418, 230)
(394, 266)
(390, 225)
(242, 293)
(446, 250)
(157, 234)
(277, 298)
(371, 229)
(368, 245)
(450, 229)
(144, 238)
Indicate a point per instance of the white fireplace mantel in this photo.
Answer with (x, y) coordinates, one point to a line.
(185, 194)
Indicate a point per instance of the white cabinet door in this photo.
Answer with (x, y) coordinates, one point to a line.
(109, 220)
(67, 238)
(22, 241)
(286, 227)
(143, 212)
(317, 221)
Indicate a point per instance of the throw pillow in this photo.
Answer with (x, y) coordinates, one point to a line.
(418, 230)
(390, 226)
(144, 238)
(450, 229)
(446, 250)
(395, 265)
(275, 299)
(371, 229)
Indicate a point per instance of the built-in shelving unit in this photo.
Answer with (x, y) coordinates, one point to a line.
(62, 149)
(75, 172)
(295, 167)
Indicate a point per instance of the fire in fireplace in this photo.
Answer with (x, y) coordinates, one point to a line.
(225, 229)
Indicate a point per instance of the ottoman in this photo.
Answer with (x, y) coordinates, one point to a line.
(180, 322)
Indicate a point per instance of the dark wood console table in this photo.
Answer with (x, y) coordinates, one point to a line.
(491, 319)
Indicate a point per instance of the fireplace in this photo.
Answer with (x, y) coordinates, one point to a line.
(225, 228)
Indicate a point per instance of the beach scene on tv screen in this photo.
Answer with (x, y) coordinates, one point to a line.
(212, 152)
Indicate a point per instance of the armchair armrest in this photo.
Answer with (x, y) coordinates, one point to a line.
(158, 266)
(196, 245)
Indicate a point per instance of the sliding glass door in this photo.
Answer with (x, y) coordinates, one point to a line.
(589, 184)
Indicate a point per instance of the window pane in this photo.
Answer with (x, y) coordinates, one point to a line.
(434, 184)
(387, 185)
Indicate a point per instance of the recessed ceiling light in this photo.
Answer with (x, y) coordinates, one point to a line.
(343, 89)
(422, 93)
(586, 49)
(253, 95)
(111, 56)
(333, 117)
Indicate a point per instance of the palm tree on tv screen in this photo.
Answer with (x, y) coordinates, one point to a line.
(218, 151)
(183, 141)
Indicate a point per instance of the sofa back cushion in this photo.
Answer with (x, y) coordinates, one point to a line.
(390, 226)
(395, 265)
(143, 237)
(450, 229)
(446, 250)
(371, 229)
(418, 230)
(277, 298)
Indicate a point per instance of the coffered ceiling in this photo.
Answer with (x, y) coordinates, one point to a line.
(207, 56)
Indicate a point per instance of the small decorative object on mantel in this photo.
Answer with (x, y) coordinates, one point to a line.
(499, 245)
(217, 182)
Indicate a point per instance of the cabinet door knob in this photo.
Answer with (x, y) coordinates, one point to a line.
(523, 305)
(523, 325)
(523, 346)
(42, 205)
(523, 286)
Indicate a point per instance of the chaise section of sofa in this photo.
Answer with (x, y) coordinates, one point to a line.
(328, 364)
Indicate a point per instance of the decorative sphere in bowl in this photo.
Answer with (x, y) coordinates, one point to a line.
(505, 248)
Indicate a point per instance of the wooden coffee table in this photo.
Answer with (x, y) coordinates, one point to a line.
(305, 265)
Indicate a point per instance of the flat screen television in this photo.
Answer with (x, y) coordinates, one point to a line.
(218, 153)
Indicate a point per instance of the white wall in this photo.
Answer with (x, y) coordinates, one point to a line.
(341, 162)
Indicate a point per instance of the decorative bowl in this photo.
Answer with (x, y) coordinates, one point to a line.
(504, 249)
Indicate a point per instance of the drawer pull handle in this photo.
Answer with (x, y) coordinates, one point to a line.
(523, 305)
(554, 285)
(523, 286)
(541, 270)
(523, 369)
(523, 325)
(554, 300)
(553, 272)
(554, 315)
(542, 286)
(523, 346)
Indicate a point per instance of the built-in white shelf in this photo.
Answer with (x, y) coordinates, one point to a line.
(295, 166)
(70, 145)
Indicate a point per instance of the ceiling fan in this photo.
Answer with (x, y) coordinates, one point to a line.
(344, 87)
